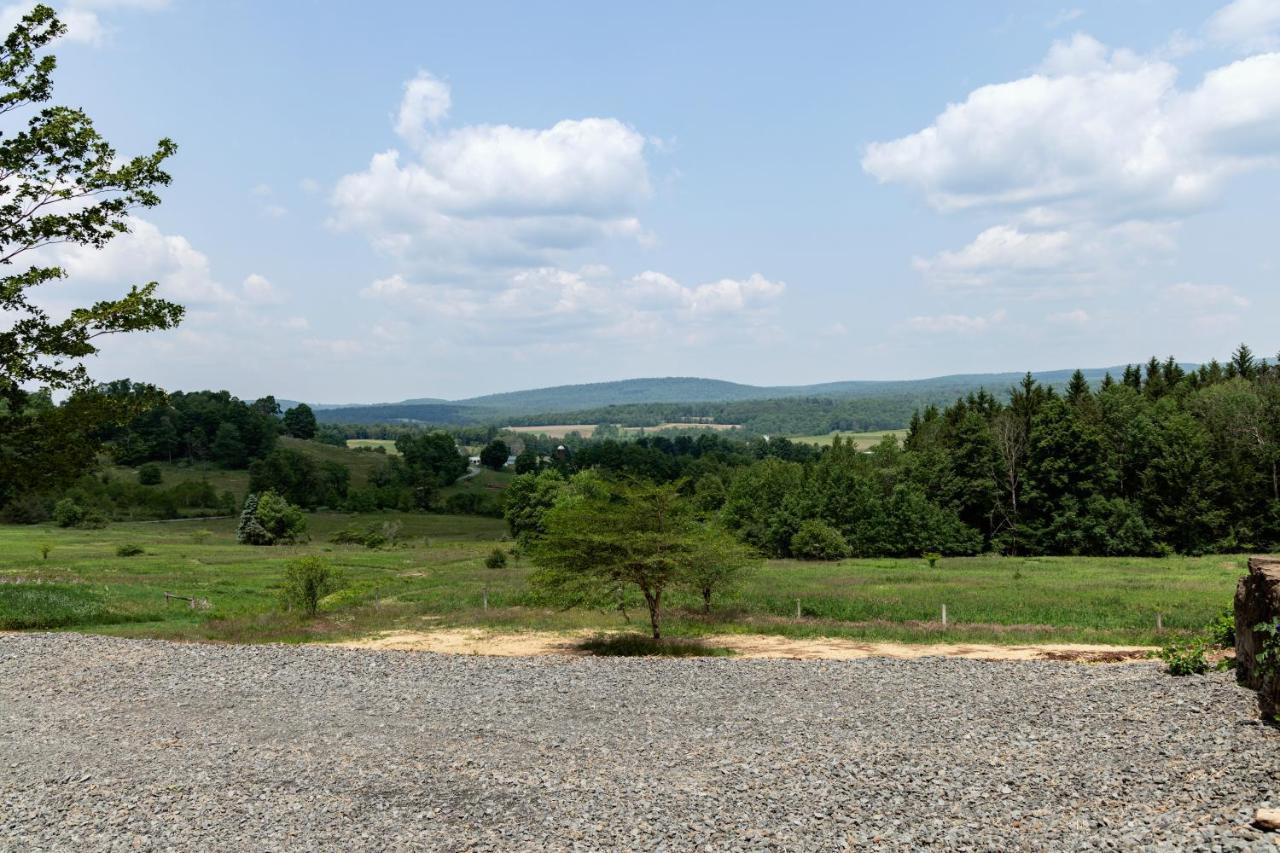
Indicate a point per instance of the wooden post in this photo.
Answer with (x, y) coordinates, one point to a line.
(797, 608)
(1159, 621)
(486, 598)
(944, 616)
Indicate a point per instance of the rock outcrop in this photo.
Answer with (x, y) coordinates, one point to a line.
(1257, 601)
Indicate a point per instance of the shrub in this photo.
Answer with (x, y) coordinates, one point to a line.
(200, 537)
(269, 519)
(25, 509)
(44, 551)
(1222, 630)
(94, 519)
(67, 513)
(497, 559)
(1185, 658)
(149, 475)
(306, 581)
(129, 549)
(816, 540)
(369, 537)
(932, 558)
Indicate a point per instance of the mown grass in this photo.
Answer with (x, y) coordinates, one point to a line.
(437, 577)
(863, 440)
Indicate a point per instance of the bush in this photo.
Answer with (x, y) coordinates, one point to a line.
(932, 558)
(149, 475)
(1222, 630)
(25, 509)
(1185, 658)
(369, 537)
(129, 549)
(67, 513)
(817, 540)
(306, 581)
(269, 519)
(497, 559)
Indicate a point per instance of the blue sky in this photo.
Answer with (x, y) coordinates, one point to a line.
(406, 200)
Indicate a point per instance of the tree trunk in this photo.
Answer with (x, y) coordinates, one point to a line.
(654, 600)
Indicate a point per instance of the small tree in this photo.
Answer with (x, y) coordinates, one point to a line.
(495, 454)
(718, 561)
(300, 422)
(306, 581)
(269, 519)
(817, 540)
(150, 475)
(602, 536)
(67, 513)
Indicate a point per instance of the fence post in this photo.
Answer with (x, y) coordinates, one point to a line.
(486, 598)
(944, 616)
(1159, 621)
(797, 608)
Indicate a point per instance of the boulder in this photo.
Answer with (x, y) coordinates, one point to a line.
(1257, 600)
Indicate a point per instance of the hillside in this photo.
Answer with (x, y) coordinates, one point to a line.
(856, 405)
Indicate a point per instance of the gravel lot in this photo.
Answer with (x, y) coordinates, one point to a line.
(116, 744)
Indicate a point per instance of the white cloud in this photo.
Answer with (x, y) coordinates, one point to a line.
(479, 198)
(1204, 296)
(1096, 133)
(961, 324)
(1092, 161)
(426, 101)
(257, 288)
(1249, 24)
(81, 18)
(549, 303)
(1064, 16)
(1077, 318)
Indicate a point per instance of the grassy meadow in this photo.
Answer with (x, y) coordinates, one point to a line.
(863, 440)
(436, 578)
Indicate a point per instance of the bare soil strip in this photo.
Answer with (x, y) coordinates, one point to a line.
(472, 641)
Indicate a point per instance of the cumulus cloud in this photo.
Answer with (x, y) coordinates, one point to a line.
(426, 101)
(1248, 24)
(256, 288)
(1091, 161)
(961, 324)
(548, 302)
(469, 200)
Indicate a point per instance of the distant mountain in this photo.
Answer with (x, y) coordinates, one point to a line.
(546, 402)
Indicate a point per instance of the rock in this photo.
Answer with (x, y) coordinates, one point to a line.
(1268, 819)
(1257, 600)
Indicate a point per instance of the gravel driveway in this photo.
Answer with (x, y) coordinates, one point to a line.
(117, 744)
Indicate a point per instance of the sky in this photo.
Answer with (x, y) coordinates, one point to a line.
(374, 202)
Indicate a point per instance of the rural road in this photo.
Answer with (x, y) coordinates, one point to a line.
(116, 744)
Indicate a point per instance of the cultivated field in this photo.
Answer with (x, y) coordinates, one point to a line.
(387, 444)
(863, 440)
(437, 578)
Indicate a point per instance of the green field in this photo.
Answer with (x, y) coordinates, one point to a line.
(387, 444)
(437, 578)
(863, 440)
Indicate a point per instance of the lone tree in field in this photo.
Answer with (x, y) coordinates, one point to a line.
(300, 422)
(602, 539)
(495, 454)
(61, 184)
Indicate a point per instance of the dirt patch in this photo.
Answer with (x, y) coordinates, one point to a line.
(473, 641)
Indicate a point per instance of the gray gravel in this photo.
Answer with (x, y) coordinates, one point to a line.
(113, 744)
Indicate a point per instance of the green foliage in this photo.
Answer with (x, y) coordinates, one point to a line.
(932, 558)
(45, 606)
(497, 559)
(528, 500)
(300, 422)
(150, 475)
(472, 503)
(300, 478)
(269, 519)
(369, 536)
(130, 549)
(638, 645)
(604, 537)
(306, 581)
(1221, 632)
(1185, 658)
(46, 549)
(64, 183)
(817, 540)
(494, 455)
(67, 513)
(431, 460)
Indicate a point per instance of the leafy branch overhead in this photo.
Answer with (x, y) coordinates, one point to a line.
(62, 183)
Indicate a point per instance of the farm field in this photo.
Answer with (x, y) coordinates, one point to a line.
(387, 444)
(863, 440)
(436, 578)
